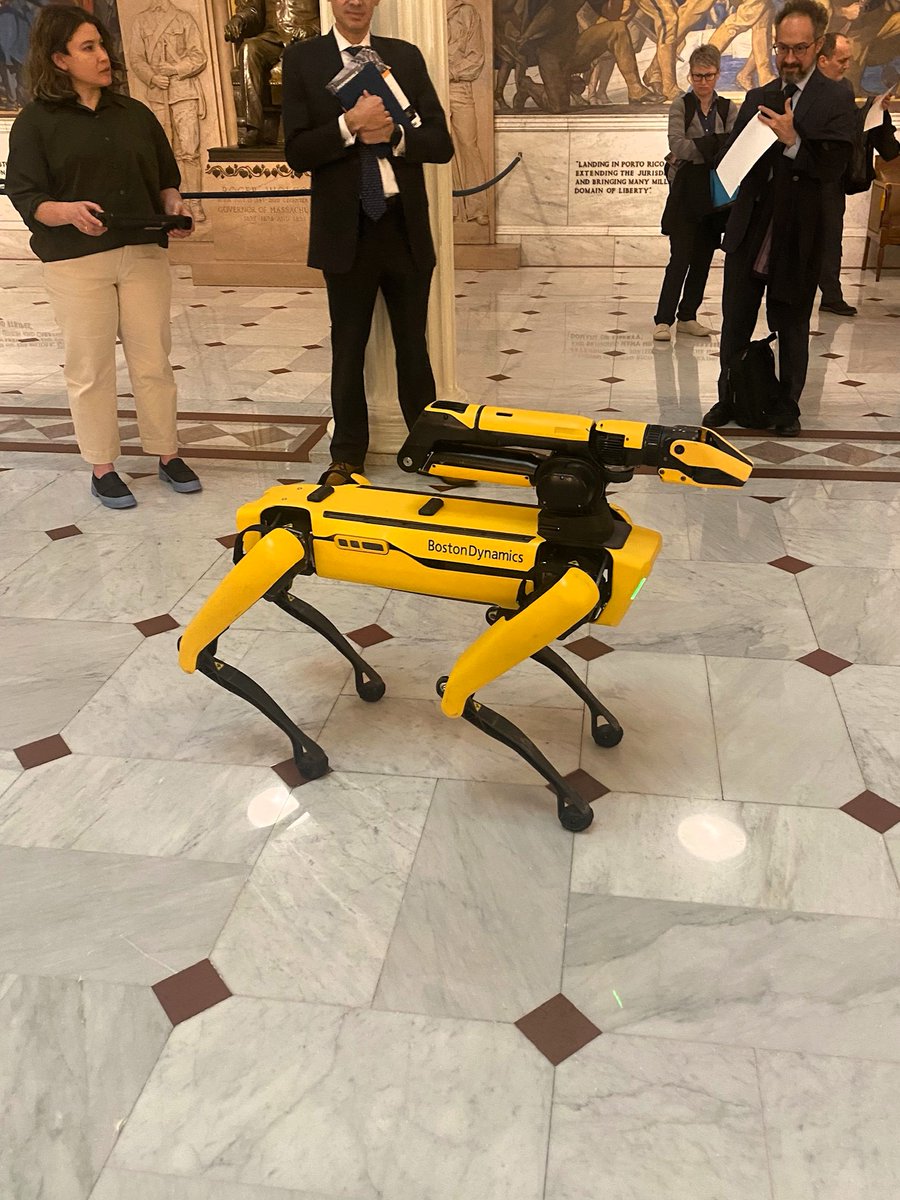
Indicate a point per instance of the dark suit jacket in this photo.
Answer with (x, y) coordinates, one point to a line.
(789, 192)
(313, 142)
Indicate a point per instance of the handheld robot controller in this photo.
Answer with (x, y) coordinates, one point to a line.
(542, 569)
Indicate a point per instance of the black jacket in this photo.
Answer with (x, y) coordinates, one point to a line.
(313, 142)
(788, 192)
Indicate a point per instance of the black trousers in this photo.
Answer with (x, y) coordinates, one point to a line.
(834, 204)
(383, 263)
(692, 246)
(742, 295)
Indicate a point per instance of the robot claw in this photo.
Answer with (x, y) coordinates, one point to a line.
(541, 569)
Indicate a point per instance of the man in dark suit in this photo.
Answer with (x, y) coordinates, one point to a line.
(369, 227)
(835, 57)
(773, 239)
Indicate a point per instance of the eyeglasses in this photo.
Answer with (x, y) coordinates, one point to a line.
(800, 49)
(704, 78)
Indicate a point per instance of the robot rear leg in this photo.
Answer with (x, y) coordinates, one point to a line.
(573, 811)
(605, 729)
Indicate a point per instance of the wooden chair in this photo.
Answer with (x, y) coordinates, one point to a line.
(883, 227)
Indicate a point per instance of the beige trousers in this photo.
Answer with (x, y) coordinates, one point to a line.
(125, 292)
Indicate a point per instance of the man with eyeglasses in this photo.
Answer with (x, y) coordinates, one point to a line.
(773, 239)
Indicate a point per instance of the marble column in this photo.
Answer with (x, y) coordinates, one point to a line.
(423, 22)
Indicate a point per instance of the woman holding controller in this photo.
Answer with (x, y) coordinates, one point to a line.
(80, 149)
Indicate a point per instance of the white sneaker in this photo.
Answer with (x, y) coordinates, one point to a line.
(695, 329)
(662, 333)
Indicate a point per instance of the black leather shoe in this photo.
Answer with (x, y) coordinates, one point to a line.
(111, 491)
(840, 308)
(788, 429)
(340, 473)
(179, 476)
(720, 414)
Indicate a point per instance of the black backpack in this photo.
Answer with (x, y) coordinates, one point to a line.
(751, 385)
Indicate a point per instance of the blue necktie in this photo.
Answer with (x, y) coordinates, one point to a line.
(371, 188)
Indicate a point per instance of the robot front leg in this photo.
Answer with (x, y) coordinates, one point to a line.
(311, 759)
(605, 729)
(262, 570)
(510, 640)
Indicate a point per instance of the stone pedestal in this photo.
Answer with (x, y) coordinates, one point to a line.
(255, 242)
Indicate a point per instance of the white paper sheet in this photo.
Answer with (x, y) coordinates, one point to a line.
(746, 150)
(875, 115)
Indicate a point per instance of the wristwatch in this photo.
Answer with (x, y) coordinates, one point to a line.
(395, 137)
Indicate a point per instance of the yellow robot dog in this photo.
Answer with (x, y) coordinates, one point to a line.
(543, 569)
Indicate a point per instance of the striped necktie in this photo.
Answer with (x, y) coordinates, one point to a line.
(371, 188)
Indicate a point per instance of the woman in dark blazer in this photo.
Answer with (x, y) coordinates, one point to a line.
(699, 122)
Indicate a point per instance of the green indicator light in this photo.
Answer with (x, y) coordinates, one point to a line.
(618, 1001)
(638, 588)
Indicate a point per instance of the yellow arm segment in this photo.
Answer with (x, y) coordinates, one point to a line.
(512, 640)
(247, 581)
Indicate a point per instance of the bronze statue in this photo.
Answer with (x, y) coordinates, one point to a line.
(262, 29)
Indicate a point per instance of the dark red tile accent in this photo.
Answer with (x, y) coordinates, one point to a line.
(875, 414)
(510, 351)
(498, 378)
(35, 754)
(522, 330)
(611, 379)
(873, 810)
(211, 344)
(617, 312)
(275, 307)
(617, 331)
(154, 625)
(587, 787)
(280, 371)
(613, 353)
(824, 662)
(177, 367)
(852, 383)
(831, 354)
(248, 324)
(530, 312)
(816, 333)
(369, 635)
(588, 648)
(196, 306)
(288, 772)
(227, 541)
(191, 991)
(64, 531)
(313, 346)
(558, 1029)
(769, 499)
(288, 481)
(793, 565)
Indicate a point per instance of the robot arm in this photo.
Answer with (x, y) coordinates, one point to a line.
(494, 445)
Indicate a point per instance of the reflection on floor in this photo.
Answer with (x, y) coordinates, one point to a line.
(404, 981)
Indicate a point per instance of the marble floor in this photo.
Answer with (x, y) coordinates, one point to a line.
(404, 981)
